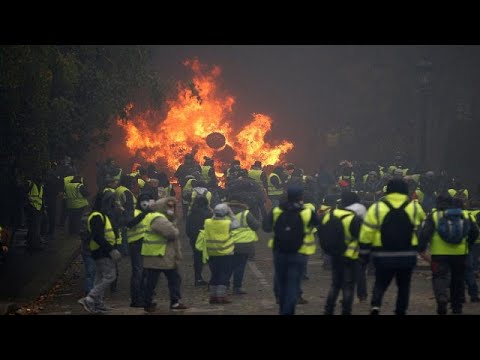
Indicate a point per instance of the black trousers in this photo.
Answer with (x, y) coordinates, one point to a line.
(344, 271)
(383, 277)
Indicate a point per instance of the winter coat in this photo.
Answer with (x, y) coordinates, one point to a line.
(167, 228)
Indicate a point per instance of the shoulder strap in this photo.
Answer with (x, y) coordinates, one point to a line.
(405, 204)
(386, 202)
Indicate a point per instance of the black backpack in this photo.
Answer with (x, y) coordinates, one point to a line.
(397, 229)
(289, 232)
(331, 235)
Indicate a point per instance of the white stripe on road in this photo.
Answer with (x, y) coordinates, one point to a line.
(258, 274)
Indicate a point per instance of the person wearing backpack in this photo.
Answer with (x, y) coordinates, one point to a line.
(338, 234)
(199, 190)
(389, 235)
(450, 231)
(290, 222)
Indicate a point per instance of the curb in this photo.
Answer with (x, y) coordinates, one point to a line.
(29, 294)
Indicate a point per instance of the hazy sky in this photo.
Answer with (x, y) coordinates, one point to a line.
(308, 89)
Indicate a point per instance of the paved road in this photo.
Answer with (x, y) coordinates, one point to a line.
(258, 283)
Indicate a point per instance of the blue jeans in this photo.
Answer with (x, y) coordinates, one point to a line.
(90, 269)
(136, 258)
(288, 273)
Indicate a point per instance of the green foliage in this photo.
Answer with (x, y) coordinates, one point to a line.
(59, 100)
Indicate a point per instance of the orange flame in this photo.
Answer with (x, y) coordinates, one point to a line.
(198, 110)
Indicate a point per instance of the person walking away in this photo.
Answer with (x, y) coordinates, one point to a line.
(390, 232)
(289, 222)
(345, 262)
(450, 231)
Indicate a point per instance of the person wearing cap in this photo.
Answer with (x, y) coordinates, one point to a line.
(289, 265)
(220, 248)
(394, 253)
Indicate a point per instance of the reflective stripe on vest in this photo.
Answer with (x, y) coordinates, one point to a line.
(154, 244)
(109, 233)
(35, 195)
(138, 231)
(438, 246)
(243, 234)
(217, 237)
(272, 190)
(75, 200)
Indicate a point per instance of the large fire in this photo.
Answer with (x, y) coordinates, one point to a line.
(197, 111)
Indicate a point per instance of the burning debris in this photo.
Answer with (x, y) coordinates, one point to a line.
(199, 121)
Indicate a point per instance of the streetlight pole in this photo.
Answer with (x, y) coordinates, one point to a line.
(424, 71)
